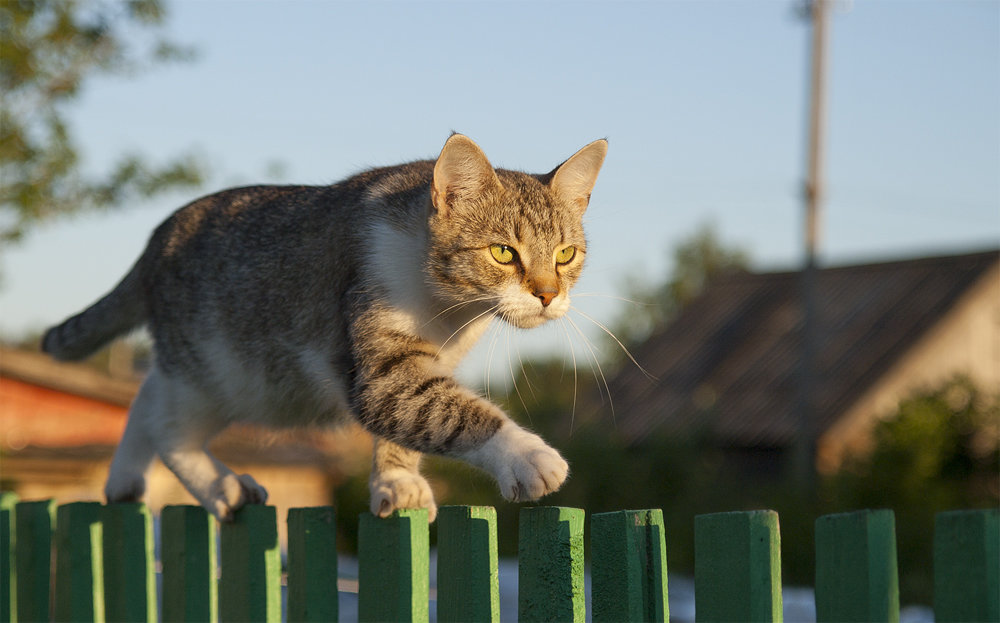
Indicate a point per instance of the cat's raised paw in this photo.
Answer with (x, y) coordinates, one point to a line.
(394, 489)
(524, 466)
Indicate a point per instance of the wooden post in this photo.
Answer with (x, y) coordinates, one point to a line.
(967, 566)
(856, 577)
(250, 585)
(188, 540)
(629, 566)
(312, 564)
(550, 564)
(79, 588)
(129, 574)
(468, 585)
(8, 568)
(737, 567)
(33, 551)
(394, 567)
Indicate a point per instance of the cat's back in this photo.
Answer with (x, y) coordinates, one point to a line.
(262, 221)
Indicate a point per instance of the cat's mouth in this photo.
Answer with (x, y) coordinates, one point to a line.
(531, 318)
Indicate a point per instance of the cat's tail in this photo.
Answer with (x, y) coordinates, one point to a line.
(118, 312)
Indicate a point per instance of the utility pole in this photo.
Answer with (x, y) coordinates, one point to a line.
(805, 443)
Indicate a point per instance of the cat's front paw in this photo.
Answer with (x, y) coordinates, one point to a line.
(231, 493)
(393, 489)
(525, 467)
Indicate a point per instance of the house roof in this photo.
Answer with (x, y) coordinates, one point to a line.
(62, 409)
(728, 365)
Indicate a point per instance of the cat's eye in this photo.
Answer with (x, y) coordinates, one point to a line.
(502, 253)
(564, 256)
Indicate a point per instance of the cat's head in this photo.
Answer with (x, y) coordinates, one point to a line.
(508, 239)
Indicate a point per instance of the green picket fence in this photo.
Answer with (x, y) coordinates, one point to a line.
(104, 566)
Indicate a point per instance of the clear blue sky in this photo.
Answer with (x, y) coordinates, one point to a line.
(704, 105)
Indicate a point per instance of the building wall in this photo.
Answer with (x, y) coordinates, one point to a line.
(966, 341)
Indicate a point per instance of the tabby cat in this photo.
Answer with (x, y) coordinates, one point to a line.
(296, 306)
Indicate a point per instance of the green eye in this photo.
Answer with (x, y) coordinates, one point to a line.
(502, 253)
(564, 256)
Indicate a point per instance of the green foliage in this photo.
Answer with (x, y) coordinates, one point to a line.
(48, 51)
(939, 451)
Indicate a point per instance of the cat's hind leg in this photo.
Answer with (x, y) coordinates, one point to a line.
(127, 476)
(182, 426)
(396, 482)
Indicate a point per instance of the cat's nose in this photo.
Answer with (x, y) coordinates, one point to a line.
(546, 296)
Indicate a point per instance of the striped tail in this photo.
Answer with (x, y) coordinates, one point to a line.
(120, 311)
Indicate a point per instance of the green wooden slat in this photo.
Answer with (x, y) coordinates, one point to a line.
(737, 567)
(79, 587)
(468, 587)
(129, 574)
(188, 538)
(312, 564)
(250, 586)
(8, 539)
(393, 567)
(35, 524)
(550, 564)
(967, 566)
(629, 566)
(856, 578)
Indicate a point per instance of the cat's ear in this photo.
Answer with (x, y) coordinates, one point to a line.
(461, 172)
(574, 179)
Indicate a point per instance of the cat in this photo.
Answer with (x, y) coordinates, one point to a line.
(297, 306)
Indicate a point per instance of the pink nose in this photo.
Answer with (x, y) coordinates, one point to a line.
(546, 296)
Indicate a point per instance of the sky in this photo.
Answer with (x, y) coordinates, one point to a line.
(704, 105)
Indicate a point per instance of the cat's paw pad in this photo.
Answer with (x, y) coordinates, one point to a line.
(400, 488)
(525, 467)
(231, 493)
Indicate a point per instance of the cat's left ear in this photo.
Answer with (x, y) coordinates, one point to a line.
(574, 179)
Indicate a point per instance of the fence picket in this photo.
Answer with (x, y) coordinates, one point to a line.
(550, 564)
(629, 566)
(108, 549)
(129, 575)
(8, 572)
(856, 578)
(79, 587)
(188, 538)
(312, 564)
(35, 523)
(967, 566)
(393, 567)
(467, 569)
(250, 584)
(737, 567)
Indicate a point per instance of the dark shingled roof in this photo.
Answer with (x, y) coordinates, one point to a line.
(728, 365)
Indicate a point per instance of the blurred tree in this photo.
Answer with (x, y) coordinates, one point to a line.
(48, 50)
(697, 261)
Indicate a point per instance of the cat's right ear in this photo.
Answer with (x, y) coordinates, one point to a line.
(461, 172)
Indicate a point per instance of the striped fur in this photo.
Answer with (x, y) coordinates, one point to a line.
(299, 306)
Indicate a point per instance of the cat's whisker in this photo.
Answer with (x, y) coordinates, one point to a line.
(613, 298)
(596, 361)
(513, 379)
(458, 305)
(489, 310)
(494, 334)
(572, 353)
(619, 342)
